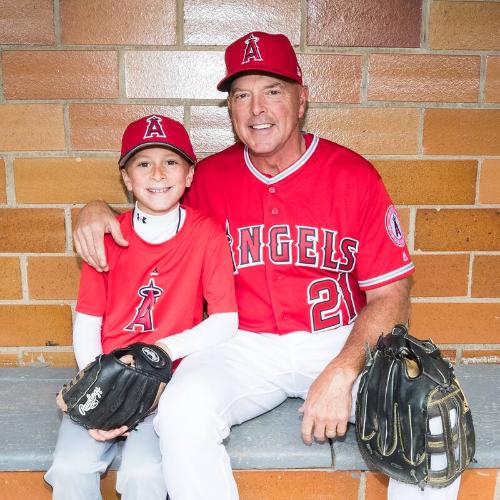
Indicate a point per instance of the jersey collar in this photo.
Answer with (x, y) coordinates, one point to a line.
(290, 170)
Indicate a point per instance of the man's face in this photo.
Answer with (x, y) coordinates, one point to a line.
(265, 111)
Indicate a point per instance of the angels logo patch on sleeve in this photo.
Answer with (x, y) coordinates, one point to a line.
(393, 227)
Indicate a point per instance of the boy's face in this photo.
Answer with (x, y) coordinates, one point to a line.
(158, 178)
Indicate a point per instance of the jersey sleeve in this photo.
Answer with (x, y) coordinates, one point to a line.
(92, 293)
(217, 277)
(383, 255)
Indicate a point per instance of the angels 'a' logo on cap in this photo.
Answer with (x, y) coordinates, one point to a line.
(154, 128)
(251, 50)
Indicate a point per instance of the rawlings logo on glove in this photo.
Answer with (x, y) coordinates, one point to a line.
(109, 393)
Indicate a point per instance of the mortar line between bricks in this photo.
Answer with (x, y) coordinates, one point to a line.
(482, 81)
(325, 49)
(57, 24)
(424, 35)
(36, 254)
(478, 180)
(220, 102)
(9, 180)
(68, 228)
(303, 25)
(381, 104)
(122, 80)
(179, 21)
(455, 300)
(412, 225)
(23, 265)
(431, 157)
(65, 205)
(38, 302)
(496, 493)
(449, 207)
(108, 153)
(362, 486)
(165, 101)
(456, 252)
(363, 91)
(420, 132)
(187, 118)
(67, 132)
(308, 49)
(47, 348)
(469, 276)
(2, 98)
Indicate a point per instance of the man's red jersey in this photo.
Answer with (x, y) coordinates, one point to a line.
(307, 242)
(152, 291)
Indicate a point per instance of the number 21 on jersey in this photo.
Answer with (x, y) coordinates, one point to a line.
(331, 302)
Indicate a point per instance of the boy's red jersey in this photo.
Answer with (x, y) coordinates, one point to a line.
(152, 291)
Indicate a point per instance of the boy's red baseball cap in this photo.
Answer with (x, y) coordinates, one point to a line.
(156, 130)
(258, 51)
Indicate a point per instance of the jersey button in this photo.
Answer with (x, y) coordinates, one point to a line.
(272, 190)
(284, 317)
(275, 211)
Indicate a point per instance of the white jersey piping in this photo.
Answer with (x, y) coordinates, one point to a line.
(386, 277)
(290, 170)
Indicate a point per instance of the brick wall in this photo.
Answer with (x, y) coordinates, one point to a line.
(476, 484)
(414, 85)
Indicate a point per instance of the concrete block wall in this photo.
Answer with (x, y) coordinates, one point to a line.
(412, 85)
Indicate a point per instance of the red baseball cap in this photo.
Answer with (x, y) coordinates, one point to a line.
(156, 130)
(258, 51)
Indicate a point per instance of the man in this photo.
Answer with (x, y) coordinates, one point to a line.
(320, 268)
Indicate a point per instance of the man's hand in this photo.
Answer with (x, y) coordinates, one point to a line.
(100, 435)
(94, 221)
(327, 407)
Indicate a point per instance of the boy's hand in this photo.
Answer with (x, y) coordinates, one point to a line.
(100, 435)
(94, 221)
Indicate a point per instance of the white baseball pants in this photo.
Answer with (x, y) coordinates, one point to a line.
(79, 461)
(231, 383)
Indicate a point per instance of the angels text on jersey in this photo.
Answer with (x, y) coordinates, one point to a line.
(330, 297)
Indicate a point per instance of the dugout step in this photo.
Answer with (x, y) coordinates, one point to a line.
(30, 421)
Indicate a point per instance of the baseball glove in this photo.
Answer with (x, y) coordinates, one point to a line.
(404, 386)
(108, 393)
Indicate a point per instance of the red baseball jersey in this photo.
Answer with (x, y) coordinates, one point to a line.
(307, 242)
(152, 291)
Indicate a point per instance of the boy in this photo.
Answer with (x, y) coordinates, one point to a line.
(152, 293)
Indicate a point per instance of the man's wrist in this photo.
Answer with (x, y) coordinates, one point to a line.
(346, 372)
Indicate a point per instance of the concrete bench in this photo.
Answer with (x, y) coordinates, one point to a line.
(29, 421)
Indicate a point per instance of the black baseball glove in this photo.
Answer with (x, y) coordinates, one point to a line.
(109, 393)
(404, 385)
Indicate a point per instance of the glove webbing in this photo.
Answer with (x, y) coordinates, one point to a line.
(452, 441)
